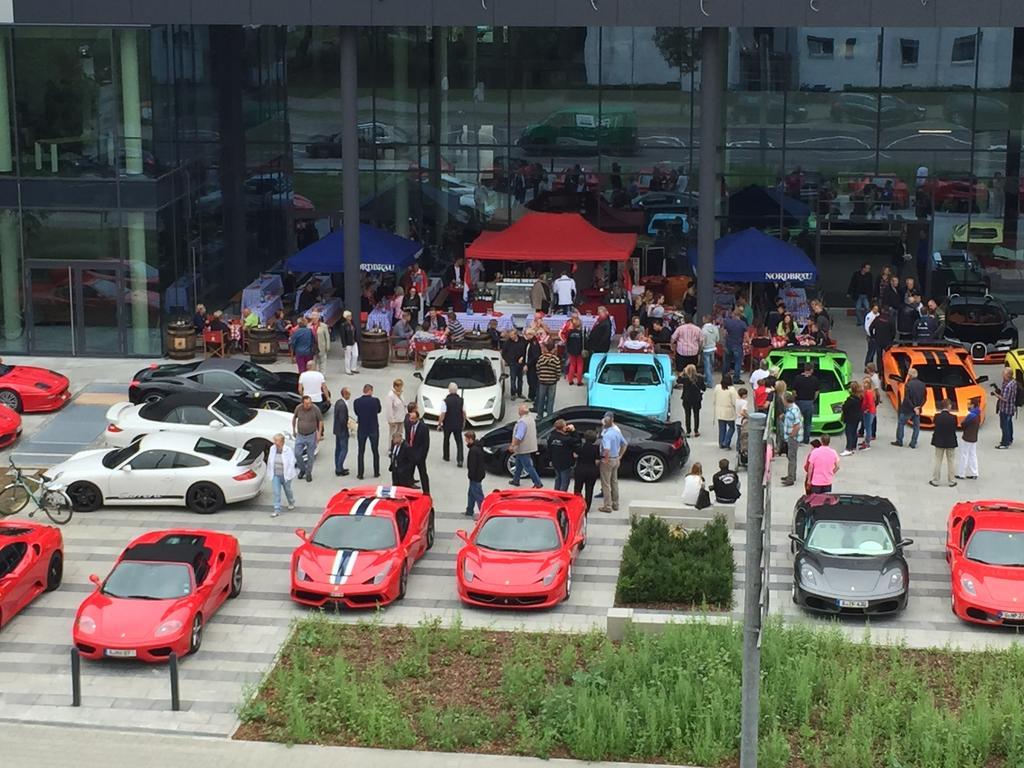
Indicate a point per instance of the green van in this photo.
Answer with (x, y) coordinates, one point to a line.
(583, 130)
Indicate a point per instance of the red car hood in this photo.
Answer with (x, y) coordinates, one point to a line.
(28, 376)
(342, 566)
(997, 586)
(512, 569)
(9, 420)
(120, 621)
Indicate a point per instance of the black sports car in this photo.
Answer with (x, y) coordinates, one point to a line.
(980, 324)
(251, 385)
(656, 448)
(848, 555)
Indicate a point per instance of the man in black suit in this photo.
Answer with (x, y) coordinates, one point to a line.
(600, 338)
(367, 409)
(341, 435)
(417, 440)
(401, 463)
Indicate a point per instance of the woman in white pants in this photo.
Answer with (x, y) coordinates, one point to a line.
(347, 332)
(967, 464)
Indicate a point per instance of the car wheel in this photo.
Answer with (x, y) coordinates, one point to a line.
(568, 583)
(273, 404)
(204, 498)
(85, 497)
(510, 465)
(55, 573)
(10, 398)
(195, 636)
(430, 530)
(650, 467)
(403, 582)
(236, 578)
(152, 397)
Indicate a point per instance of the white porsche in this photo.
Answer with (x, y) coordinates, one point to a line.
(208, 414)
(478, 373)
(162, 469)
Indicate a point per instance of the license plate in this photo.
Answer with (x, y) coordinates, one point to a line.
(1011, 616)
(120, 653)
(852, 603)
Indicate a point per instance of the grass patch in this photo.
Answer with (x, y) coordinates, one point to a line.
(826, 702)
(664, 566)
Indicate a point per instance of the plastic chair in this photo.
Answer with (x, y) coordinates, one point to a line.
(213, 344)
(401, 349)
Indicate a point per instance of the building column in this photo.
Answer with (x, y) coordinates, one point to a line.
(350, 170)
(134, 221)
(138, 280)
(710, 134)
(131, 106)
(1011, 203)
(10, 258)
(400, 53)
(6, 160)
(227, 44)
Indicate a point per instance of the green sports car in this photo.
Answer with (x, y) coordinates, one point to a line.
(832, 367)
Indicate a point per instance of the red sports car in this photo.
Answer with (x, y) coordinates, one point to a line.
(985, 552)
(361, 551)
(26, 389)
(521, 553)
(10, 426)
(31, 562)
(164, 588)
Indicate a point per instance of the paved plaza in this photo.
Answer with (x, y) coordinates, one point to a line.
(241, 641)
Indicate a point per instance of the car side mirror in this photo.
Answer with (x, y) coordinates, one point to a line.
(301, 533)
(796, 539)
(462, 535)
(906, 542)
(126, 468)
(982, 379)
(216, 424)
(417, 375)
(94, 579)
(586, 377)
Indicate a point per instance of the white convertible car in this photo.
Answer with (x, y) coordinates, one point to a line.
(209, 414)
(479, 375)
(162, 469)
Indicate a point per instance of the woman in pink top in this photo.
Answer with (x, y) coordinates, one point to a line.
(868, 412)
(821, 466)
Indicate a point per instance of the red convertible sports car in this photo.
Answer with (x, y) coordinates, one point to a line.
(31, 562)
(985, 552)
(10, 426)
(521, 553)
(163, 590)
(26, 389)
(361, 551)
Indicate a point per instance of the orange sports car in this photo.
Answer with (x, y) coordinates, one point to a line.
(947, 373)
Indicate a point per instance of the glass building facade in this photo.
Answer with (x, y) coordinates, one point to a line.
(144, 169)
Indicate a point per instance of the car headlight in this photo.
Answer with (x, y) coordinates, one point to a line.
(86, 625)
(467, 572)
(550, 577)
(427, 403)
(301, 575)
(168, 627)
(808, 575)
(382, 575)
(895, 580)
(968, 584)
(837, 407)
(490, 403)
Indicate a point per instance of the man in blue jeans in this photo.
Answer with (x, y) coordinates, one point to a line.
(523, 446)
(861, 287)
(735, 327)
(1006, 407)
(709, 338)
(806, 387)
(476, 470)
(308, 428)
(914, 394)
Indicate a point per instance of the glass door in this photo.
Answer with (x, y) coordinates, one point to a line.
(77, 308)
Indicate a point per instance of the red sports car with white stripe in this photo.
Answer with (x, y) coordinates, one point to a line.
(360, 553)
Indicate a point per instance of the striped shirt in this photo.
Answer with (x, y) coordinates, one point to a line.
(1008, 401)
(792, 418)
(549, 368)
(455, 331)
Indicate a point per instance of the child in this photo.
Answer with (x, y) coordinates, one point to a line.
(868, 413)
(494, 335)
(741, 407)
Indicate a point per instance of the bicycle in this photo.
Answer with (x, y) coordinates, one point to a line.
(47, 496)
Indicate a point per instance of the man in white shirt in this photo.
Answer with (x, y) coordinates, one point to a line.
(564, 290)
(869, 318)
(760, 373)
(395, 409)
(313, 383)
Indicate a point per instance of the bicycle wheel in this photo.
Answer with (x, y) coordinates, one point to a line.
(55, 505)
(13, 499)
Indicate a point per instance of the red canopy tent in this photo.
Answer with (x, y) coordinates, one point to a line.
(552, 237)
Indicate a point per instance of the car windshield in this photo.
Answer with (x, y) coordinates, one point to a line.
(355, 532)
(976, 316)
(118, 456)
(943, 375)
(509, 533)
(466, 374)
(260, 377)
(5, 369)
(629, 374)
(997, 548)
(847, 537)
(827, 380)
(232, 413)
(149, 581)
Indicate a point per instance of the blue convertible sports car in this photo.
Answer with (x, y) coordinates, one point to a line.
(629, 381)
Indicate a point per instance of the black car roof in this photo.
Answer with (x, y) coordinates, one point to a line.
(187, 552)
(220, 364)
(843, 506)
(161, 408)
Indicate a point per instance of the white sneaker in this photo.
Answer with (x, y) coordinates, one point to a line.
(291, 507)
(846, 453)
(275, 514)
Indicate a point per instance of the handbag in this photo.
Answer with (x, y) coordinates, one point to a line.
(703, 499)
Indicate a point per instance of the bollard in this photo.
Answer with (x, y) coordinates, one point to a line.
(76, 678)
(172, 665)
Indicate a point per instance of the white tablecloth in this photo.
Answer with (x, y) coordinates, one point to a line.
(554, 323)
(265, 310)
(253, 293)
(330, 312)
(379, 318)
(481, 321)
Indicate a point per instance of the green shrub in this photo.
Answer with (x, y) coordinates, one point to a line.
(666, 565)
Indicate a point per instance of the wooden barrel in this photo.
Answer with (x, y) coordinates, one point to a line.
(476, 340)
(374, 349)
(262, 345)
(181, 342)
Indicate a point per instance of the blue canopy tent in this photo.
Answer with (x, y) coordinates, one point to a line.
(751, 256)
(378, 251)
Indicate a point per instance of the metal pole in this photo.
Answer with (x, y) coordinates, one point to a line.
(350, 171)
(172, 666)
(752, 583)
(76, 678)
(710, 130)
